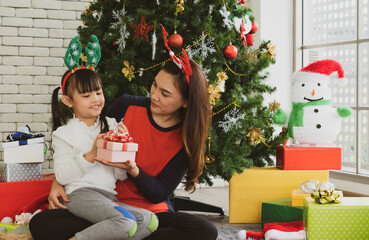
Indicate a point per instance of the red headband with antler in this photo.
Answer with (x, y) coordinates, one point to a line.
(182, 62)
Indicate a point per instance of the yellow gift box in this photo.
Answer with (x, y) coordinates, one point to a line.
(298, 198)
(261, 184)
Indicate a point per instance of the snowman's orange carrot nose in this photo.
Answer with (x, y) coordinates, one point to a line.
(313, 92)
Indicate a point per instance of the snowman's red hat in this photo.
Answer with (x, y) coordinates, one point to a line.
(321, 70)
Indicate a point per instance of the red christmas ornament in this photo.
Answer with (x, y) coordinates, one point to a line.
(249, 40)
(254, 28)
(175, 40)
(230, 51)
(142, 29)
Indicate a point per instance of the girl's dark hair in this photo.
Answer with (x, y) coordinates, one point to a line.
(83, 80)
(195, 118)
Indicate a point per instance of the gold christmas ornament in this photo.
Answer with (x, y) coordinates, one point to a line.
(84, 59)
(250, 56)
(128, 71)
(274, 106)
(209, 158)
(215, 88)
(271, 50)
(179, 6)
(255, 135)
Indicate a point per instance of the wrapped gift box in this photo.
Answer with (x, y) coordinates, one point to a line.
(24, 151)
(248, 190)
(20, 194)
(308, 158)
(280, 211)
(346, 220)
(14, 172)
(116, 151)
(298, 197)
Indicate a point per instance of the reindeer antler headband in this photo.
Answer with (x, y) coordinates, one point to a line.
(182, 62)
(73, 54)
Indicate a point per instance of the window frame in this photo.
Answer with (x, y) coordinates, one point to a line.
(298, 63)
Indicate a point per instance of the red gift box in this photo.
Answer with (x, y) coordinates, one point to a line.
(308, 158)
(18, 195)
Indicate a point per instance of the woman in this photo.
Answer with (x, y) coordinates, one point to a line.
(170, 128)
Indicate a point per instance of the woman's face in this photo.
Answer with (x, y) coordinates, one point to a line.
(165, 97)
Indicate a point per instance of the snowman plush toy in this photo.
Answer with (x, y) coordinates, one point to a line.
(313, 121)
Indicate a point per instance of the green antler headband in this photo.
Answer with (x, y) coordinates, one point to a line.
(73, 54)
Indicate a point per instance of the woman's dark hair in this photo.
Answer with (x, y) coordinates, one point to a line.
(83, 80)
(195, 118)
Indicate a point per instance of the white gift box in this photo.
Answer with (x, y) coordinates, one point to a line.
(14, 172)
(24, 151)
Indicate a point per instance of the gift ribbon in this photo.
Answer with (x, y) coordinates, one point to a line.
(326, 196)
(313, 185)
(117, 136)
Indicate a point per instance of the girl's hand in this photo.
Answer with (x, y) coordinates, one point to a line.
(91, 155)
(57, 191)
(121, 127)
(129, 166)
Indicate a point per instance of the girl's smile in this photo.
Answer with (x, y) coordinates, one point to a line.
(87, 106)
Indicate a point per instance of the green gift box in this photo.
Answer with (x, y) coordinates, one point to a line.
(280, 211)
(337, 221)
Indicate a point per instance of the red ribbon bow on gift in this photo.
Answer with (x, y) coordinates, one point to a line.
(117, 136)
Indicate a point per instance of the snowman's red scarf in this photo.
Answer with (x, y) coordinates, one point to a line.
(297, 113)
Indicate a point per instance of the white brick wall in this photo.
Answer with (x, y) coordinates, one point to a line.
(33, 39)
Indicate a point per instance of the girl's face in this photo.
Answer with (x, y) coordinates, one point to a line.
(166, 100)
(86, 106)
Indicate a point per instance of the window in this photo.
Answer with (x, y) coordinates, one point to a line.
(339, 30)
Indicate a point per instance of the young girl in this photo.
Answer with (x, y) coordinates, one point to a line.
(89, 184)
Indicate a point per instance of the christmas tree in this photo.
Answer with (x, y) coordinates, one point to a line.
(218, 36)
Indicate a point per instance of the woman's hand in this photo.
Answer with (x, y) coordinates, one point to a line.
(129, 166)
(57, 191)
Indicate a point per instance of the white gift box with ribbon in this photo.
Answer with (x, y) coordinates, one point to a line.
(24, 151)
